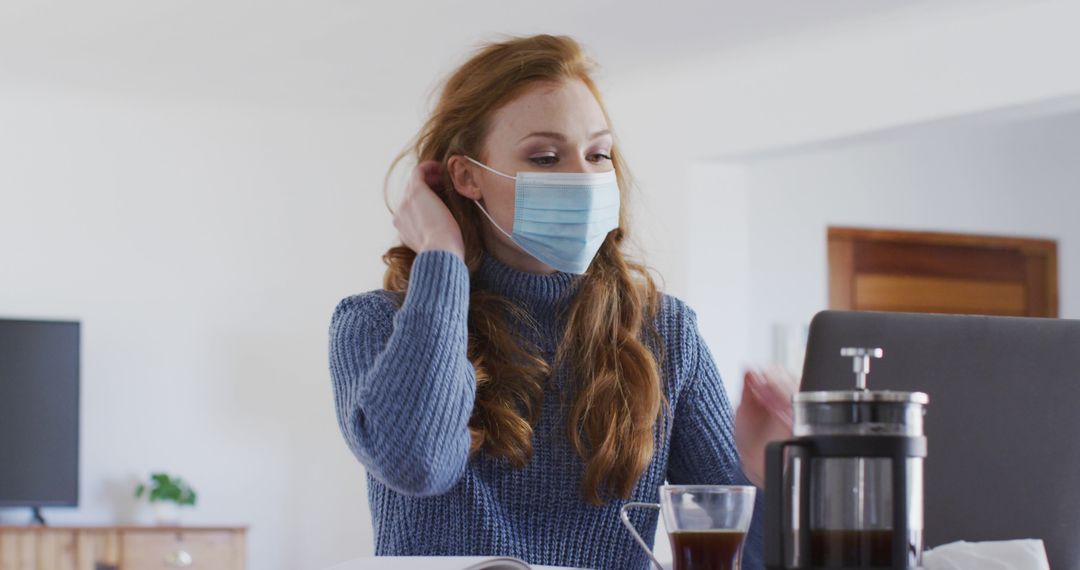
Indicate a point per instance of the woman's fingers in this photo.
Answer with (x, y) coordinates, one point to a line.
(764, 415)
(431, 173)
(422, 219)
(773, 388)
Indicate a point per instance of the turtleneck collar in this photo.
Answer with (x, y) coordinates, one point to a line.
(538, 291)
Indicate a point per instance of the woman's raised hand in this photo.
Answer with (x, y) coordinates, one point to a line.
(764, 415)
(423, 221)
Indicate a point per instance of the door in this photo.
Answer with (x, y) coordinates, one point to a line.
(884, 270)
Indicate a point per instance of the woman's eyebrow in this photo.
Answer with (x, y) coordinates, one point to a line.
(561, 137)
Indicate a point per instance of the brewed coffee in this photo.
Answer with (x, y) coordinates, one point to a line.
(855, 548)
(707, 549)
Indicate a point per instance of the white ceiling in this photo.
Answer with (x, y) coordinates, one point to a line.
(372, 54)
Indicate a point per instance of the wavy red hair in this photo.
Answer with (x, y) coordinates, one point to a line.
(610, 344)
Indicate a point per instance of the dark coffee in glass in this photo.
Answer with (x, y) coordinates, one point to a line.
(706, 524)
(707, 549)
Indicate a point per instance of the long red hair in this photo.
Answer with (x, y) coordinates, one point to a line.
(610, 344)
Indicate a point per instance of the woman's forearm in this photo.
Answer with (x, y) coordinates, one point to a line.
(404, 387)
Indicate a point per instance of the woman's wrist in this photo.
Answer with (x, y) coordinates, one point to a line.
(453, 246)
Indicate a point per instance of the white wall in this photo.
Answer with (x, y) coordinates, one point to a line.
(204, 249)
(831, 82)
(871, 76)
(1004, 178)
(717, 285)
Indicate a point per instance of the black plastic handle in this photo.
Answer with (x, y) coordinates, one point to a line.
(774, 504)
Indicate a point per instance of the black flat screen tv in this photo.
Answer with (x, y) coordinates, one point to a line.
(39, 413)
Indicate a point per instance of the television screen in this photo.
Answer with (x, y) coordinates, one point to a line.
(39, 413)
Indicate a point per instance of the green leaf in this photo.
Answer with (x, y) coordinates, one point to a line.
(165, 488)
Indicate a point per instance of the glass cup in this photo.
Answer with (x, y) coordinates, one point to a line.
(707, 524)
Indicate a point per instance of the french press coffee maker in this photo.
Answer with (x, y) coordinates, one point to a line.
(846, 492)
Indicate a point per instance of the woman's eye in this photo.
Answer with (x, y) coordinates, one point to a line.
(551, 160)
(544, 160)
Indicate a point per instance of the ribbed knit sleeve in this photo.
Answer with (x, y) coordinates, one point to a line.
(703, 447)
(403, 385)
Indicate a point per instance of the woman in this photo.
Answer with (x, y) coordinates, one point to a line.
(519, 379)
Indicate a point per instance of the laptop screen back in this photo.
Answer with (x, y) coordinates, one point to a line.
(1003, 423)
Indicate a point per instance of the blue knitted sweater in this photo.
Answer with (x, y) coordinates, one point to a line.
(404, 390)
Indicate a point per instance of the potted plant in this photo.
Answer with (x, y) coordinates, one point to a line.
(166, 495)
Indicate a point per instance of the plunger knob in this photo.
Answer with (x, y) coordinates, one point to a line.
(861, 362)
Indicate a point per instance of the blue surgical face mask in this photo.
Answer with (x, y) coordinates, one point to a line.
(561, 218)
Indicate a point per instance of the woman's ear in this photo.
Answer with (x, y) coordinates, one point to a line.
(463, 177)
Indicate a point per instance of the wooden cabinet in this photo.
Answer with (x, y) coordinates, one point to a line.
(122, 548)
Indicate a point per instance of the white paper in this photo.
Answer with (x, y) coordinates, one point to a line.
(1001, 555)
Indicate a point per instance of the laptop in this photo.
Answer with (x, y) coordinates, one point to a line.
(1003, 423)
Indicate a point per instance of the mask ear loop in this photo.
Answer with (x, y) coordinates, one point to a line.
(486, 167)
(492, 220)
(477, 202)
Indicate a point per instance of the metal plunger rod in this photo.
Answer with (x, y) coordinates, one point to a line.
(861, 362)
